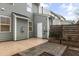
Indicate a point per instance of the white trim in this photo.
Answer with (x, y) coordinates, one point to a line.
(28, 30)
(5, 24)
(10, 24)
(15, 34)
(29, 7)
(4, 16)
(21, 17)
(0, 24)
(48, 27)
(15, 26)
(39, 29)
(28, 23)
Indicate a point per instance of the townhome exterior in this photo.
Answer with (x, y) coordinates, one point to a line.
(43, 19)
(26, 20)
(57, 19)
(6, 10)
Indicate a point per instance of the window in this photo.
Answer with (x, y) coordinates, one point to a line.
(29, 7)
(29, 4)
(5, 24)
(30, 26)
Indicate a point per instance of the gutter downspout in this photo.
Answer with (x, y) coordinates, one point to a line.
(42, 10)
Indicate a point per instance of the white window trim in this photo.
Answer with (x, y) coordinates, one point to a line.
(9, 25)
(14, 26)
(29, 9)
(27, 6)
(31, 26)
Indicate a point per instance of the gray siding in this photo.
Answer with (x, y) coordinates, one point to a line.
(5, 36)
(6, 12)
(35, 8)
(8, 9)
(21, 9)
(43, 20)
(18, 8)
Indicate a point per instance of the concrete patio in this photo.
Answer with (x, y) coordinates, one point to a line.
(12, 47)
(51, 48)
(35, 47)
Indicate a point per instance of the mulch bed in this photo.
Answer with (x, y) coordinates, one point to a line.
(70, 52)
(46, 54)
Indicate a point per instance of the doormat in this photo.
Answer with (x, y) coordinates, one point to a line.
(70, 52)
(46, 54)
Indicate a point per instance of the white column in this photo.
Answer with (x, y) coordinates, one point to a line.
(15, 28)
(28, 29)
(48, 27)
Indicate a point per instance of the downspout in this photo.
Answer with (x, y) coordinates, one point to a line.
(14, 25)
(42, 10)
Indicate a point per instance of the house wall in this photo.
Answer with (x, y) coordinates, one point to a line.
(65, 23)
(9, 8)
(43, 19)
(35, 8)
(56, 21)
(6, 12)
(43, 10)
(40, 10)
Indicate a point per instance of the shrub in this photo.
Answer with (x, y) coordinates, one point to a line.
(55, 34)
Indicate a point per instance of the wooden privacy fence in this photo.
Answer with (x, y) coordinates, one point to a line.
(69, 32)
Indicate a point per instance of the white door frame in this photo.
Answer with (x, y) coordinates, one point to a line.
(15, 26)
(39, 29)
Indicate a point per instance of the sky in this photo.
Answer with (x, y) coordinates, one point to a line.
(68, 10)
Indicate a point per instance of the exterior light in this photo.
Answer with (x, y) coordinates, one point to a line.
(2, 9)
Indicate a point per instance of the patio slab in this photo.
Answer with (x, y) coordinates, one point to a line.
(51, 48)
(12, 47)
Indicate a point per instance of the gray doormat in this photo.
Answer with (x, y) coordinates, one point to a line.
(46, 54)
(70, 52)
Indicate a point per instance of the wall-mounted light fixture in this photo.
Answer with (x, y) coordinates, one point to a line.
(2, 9)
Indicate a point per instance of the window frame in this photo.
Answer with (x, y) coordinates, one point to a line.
(5, 24)
(31, 26)
(29, 6)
